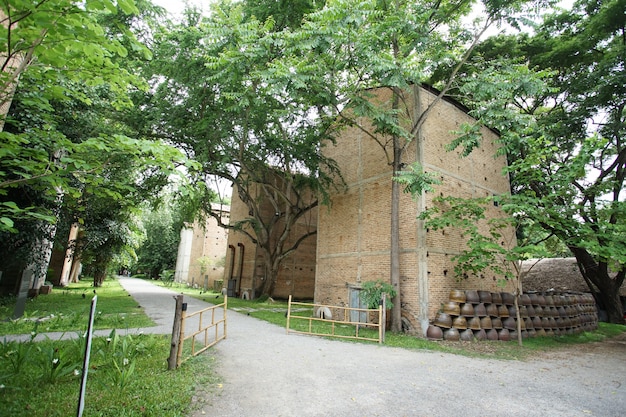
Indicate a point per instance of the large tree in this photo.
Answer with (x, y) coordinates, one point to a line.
(233, 94)
(395, 46)
(565, 138)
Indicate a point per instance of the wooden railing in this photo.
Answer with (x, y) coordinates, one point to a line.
(335, 321)
(207, 334)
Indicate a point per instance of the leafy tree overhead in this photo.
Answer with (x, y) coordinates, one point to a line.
(565, 142)
(225, 91)
(394, 46)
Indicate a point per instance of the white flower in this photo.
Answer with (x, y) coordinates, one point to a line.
(108, 340)
(76, 372)
(55, 361)
(125, 361)
(1, 386)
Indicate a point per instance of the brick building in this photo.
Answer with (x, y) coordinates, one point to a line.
(201, 250)
(245, 268)
(353, 242)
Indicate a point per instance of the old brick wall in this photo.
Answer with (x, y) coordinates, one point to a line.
(296, 276)
(354, 232)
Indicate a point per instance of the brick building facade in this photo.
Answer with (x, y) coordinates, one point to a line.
(201, 251)
(353, 242)
(245, 268)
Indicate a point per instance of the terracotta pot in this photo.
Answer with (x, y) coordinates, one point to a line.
(443, 320)
(496, 323)
(509, 323)
(504, 335)
(459, 323)
(480, 310)
(503, 311)
(507, 298)
(492, 334)
(492, 310)
(496, 298)
(484, 296)
(537, 323)
(466, 335)
(486, 323)
(457, 295)
(451, 334)
(467, 310)
(474, 323)
(434, 332)
(451, 308)
(471, 296)
(480, 334)
(525, 300)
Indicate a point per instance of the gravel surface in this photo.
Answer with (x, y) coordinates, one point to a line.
(266, 372)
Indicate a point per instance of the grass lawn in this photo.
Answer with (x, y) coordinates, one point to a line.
(67, 309)
(127, 375)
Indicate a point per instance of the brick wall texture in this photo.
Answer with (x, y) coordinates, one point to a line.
(354, 232)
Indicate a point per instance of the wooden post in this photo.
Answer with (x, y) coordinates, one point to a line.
(383, 318)
(178, 314)
(288, 313)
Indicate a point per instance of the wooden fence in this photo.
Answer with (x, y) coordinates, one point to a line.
(334, 321)
(207, 333)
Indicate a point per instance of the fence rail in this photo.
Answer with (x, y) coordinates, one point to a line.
(335, 321)
(206, 334)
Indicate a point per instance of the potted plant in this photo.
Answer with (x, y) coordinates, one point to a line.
(372, 293)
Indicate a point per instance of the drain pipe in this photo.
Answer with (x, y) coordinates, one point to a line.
(240, 266)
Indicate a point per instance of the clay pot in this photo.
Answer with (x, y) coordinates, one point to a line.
(485, 323)
(434, 333)
(459, 323)
(496, 323)
(530, 310)
(562, 311)
(528, 323)
(541, 300)
(492, 310)
(480, 310)
(507, 298)
(503, 311)
(512, 312)
(509, 323)
(471, 296)
(484, 296)
(451, 334)
(534, 298)
(452, 308)
(504, 335)
(443, 320)
(549, 300)
(480, 334)
(467, 310)
(496, 298)
(525, 300)
(538, 310)
(537, 323)
(466, 335)
(474, 323)
(492, 334)
(541, 333)
(457, 296)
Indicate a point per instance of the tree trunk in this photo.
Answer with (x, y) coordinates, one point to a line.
(396, 311)
(604, 287)
(271, 275)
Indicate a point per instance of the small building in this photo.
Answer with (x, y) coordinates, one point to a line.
(201, 251)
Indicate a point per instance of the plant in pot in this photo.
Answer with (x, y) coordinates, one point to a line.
(372, 293)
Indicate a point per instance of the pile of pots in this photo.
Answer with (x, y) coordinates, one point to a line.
(484, 315)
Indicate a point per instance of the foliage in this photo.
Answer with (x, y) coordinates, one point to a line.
(561, 119)
(372, 293)
(159, 248)
(256, 119)
(149, 390)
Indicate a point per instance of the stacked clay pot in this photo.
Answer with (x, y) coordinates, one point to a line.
(484, 315)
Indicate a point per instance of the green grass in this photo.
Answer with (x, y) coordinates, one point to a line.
(67, 309)
(274, 312)
(128, 376)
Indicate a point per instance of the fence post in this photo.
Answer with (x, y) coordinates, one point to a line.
(178, 313)
(289, 313)
(382, 314)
